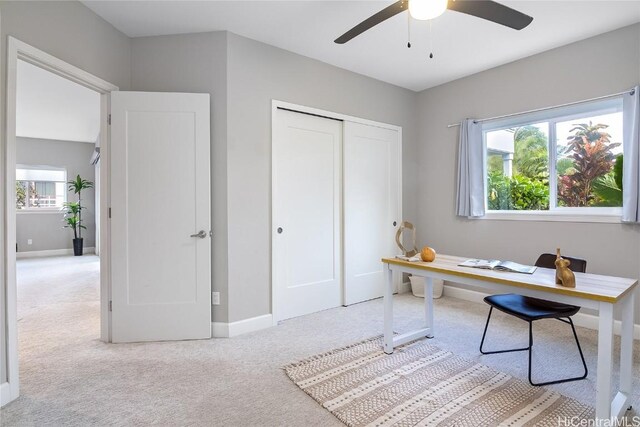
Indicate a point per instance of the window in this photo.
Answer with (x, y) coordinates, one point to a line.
(40, 188)
(561, 161)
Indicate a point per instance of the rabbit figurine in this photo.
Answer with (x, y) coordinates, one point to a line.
(564, 275)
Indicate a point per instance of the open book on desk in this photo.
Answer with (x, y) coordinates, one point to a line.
(494, 264)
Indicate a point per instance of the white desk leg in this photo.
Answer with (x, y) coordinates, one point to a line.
(626, 344)
(605, 361)
(388, 312)
(428, 304)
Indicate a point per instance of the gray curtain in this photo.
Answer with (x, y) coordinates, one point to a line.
(631, 165)
(470, 196)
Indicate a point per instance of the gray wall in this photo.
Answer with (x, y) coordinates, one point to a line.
(258, 73)
(73, 33)
(554, 77)
(243, 76)
(195, 63)
(45, 228)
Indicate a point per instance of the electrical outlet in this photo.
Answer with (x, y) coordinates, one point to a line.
(29, 242)
(215, 298)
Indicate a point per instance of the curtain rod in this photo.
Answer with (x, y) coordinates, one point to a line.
(568, 104)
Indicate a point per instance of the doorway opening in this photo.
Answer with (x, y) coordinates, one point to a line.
(56, 216)
(42, 155)
(57, 156)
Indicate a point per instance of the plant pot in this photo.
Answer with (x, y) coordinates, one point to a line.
(77, 247)
(417, 286)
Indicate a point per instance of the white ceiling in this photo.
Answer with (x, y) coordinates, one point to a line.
(51, 107)
(462, 45)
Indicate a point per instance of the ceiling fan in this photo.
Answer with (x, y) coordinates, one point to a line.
(429, 9)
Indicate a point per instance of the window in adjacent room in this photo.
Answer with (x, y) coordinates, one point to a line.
(564, 160)
(39, 188)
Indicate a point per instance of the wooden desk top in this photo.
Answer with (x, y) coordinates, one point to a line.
(590, 286)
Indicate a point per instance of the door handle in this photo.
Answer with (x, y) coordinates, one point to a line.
(201, 234)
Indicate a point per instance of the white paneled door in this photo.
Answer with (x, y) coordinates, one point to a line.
(371, 207)
(160, 217)
(306, 213)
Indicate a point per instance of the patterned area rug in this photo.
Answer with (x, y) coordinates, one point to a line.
(422, 385)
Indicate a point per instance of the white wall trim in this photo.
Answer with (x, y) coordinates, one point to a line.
(57, 66)
(52, 252)
(584, 320)
(557, 216)
(219, 330)
(5, 394)
(303, 108)
(39, 211)
(5, 388)
(233, 329)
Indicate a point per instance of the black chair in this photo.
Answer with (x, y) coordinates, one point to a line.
(532, 309)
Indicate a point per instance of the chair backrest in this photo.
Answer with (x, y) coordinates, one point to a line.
(548, 261)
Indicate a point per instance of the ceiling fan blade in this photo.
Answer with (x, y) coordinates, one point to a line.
(374, 20)
(491, 11)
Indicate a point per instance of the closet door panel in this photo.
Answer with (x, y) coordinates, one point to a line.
(371, 205)
(306, 214)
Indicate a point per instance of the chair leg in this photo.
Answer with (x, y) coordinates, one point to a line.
(530, 349)
(486, 326)
(584, 363)
(485, 330)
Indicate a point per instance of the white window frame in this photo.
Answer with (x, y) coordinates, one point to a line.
(552, 117)
(48, 210)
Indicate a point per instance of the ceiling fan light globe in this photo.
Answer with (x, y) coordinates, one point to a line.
(427, 9)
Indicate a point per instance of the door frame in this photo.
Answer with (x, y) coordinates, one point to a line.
(275, 105)
(16, 50)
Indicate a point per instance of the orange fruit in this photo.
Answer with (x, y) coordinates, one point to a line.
(428, 254)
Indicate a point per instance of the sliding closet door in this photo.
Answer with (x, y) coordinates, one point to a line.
(306, 214)
(371, 207)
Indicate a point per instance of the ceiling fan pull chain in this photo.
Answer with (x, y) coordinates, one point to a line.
(408, 30)
(430, 41)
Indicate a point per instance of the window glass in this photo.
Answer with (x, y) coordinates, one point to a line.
(518, 168)
(588, 150)
(40, 188)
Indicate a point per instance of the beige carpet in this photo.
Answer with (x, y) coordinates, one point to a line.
(70, 378)
(422, 385)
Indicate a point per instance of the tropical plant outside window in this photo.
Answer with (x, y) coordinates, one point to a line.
(560, 163)
(38, 188)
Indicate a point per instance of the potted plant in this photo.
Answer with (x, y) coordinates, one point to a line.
(73, 214)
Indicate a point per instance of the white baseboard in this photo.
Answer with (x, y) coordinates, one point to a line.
(584, 320)
(233, 329)
(219, 330)
(52, 252)
(5, 394)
